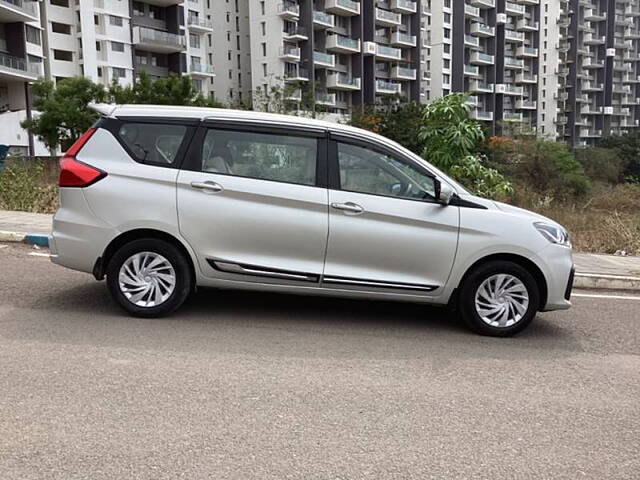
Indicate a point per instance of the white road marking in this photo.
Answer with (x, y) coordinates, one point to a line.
(38, 254)
(615, 297)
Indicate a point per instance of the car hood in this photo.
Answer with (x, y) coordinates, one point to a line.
(510, 209)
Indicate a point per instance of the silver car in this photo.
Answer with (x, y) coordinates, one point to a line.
(161, 200)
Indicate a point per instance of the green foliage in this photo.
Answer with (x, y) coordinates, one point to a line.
(545, 166)
(171, 90)
(22, 188)
(627, 147)
(64, 115)
(453, 142)
(448, 133)
(602, 165)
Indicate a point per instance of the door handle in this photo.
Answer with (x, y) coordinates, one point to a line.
(208, 186)
(349, 207)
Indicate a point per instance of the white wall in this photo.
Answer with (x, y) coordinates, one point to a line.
(14, 135)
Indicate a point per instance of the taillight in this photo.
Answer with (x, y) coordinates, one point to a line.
(74, 173)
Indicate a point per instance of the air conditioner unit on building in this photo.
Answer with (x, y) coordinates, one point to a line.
(369, 48)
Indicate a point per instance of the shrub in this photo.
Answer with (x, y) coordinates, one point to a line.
(601, 164)
(22, 188)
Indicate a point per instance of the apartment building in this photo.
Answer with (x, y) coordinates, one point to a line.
(599, 71)
(341, 54)
(495, 50)
(20, 64)
(108, 40)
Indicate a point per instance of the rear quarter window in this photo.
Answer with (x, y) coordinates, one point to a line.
(153, 143)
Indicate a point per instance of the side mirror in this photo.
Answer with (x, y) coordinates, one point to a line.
(444, 193)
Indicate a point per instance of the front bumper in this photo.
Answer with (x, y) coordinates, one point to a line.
(556, 264)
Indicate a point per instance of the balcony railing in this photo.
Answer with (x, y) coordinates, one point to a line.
(384, 51)
(195, 21)
(324, 98)
(323, 18)
(27, 7)
(387, 17)
(339, 79)
(150, 35)
(324, 58)
(202, 68)
(382, 86)
(18, 65)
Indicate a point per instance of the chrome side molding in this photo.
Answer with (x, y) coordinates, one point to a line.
(231, 267)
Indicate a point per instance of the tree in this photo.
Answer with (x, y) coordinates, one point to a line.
(602, 165)
(453, 141)
(627, 147)
(63, 113)
(397, 120)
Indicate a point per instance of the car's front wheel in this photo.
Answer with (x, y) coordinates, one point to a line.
(499, 299)
(149, 277)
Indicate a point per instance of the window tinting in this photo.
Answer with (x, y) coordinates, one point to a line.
(367, 171)
(152, 142)
(280, 158)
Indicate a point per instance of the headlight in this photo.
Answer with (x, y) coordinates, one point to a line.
(554, 234)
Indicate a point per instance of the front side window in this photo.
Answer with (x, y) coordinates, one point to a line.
(281, 158)
(363, 170)
(153, 142)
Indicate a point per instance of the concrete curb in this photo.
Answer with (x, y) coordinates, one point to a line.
(606, 282)
(29, 238)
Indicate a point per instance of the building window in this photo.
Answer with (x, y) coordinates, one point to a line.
(60, 3)
(117, 46)
(33, 35)
(194, 40)
(63, 55)
(264, 49)
(117, 21)
(263, 26)
(119, 72)
(262, 8)
(62, 28)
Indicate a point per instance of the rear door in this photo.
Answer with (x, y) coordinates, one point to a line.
(252, 203)
(386, 231)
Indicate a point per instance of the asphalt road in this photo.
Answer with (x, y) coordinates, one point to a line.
(254, 386)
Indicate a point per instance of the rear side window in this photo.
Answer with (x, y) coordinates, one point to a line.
(153, 142)
(280, 158)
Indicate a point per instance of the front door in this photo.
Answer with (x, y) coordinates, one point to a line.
(252, 207)
(386, 232)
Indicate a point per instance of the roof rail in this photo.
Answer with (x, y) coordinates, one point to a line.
(104, 109)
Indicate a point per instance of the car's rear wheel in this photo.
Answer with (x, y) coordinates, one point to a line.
(149, 277)
(499, 298)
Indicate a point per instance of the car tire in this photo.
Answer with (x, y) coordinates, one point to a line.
(498, 299)
(149, 277)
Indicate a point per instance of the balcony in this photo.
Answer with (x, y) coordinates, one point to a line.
(479, 58)
(471, 12)
(328, 99)
(402, 73)
(513, 36)
(289, 10)
(388, 88)
(295, 73)
(289, 52)
(526, 105)
(18, 11)
(509, 89)
(201, 70)
(512, 117)
(342, 81)
(158, 41)
(199, 25)
(526, 78)
(482, 30)
(387, 18)
(527, 52)
(591, 39)
(480, 86)
(324, 60)
(471, 71)
(400, 39)
(482, 115)
(14, 68)
(514, 9)
(342, 44)
(294, 95)
(592, 15)
(323, 20)
(404, 6)
(510, 62)
(388, 53)
(470, 41)
(484, 4)
(526, 25)
(295, 33)
(345, 8)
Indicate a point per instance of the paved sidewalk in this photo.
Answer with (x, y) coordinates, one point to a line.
(24, 223)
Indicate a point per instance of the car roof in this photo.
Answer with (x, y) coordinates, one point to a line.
(204, 113)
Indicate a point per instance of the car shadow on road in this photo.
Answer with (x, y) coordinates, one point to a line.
(85, 313)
